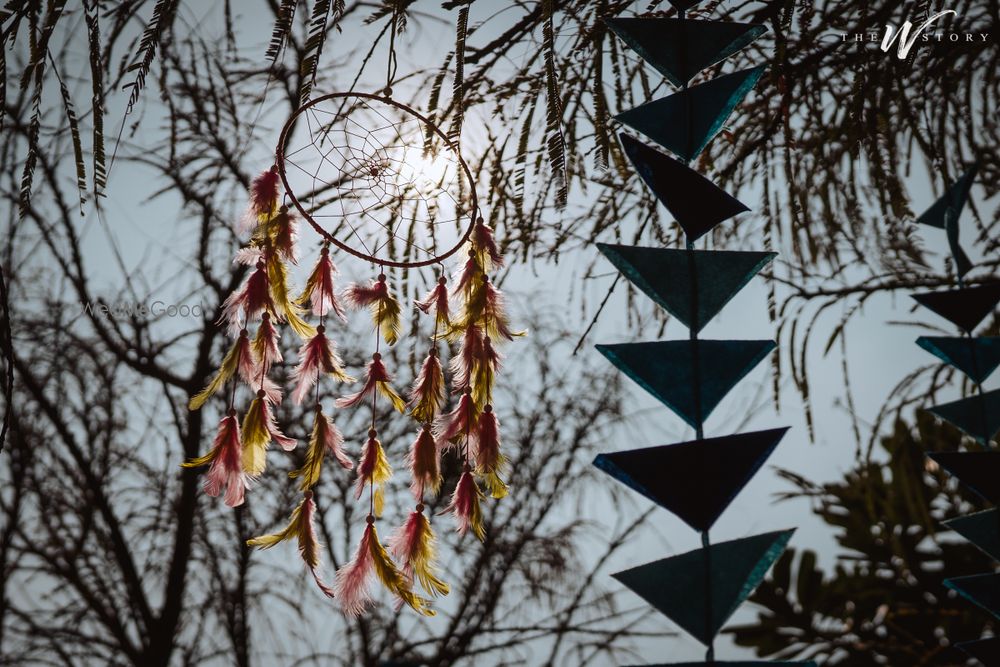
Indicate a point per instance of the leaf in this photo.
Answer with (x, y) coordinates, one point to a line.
(160, 22)
(458, 87)
(318, 27)
(91, 16)
(555, 141)
(74, 130)
(283, 21)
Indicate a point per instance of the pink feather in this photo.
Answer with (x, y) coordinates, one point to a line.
(286, 235)
(457, 422)
(359, 296)
(464, 278)
(288, 444)
(375, 372)
(268, 349)
(422, 460)
(427, 393)
(249, 301)
(263, 199)
(464, 362)
(495, 311)
(464, 506)
(486, 440)
(316, 356)
(436, 299)
(333, 440)
(227, 469)
(308, 516)
(322, 297)
(353, 580)
(484, 242)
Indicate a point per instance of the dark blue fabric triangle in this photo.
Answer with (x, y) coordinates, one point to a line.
(982, 529)
(965, 307)
(664, 274)
(978, 415)
(695, 480)
(666, 370)
(976, 357)
(986, 651)
(680, 48)
(979, 471)
(696, 203)
(954, 198)
(982, 589)
(686, 121)
(676, 586)
(684, 5)
(945, 213)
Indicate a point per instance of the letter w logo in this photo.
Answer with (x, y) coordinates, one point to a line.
(903, 34)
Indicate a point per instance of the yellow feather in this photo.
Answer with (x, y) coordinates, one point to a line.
(313, 464)
(393, 579)
(423, 561)
(386, 390)
(496, 486)
(226, 370)
(201, 460)
(292, 530)
(385, 313)
(255, 439)
(277, 277)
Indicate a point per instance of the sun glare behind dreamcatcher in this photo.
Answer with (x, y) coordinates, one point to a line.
(374, 179)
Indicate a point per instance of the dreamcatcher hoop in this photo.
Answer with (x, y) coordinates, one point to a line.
(282, 155)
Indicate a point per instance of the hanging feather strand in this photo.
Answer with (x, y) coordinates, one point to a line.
(373, 470)
(437, 300)
(301, 527)
(319, 289)
(465, 507)
(353, 582)
(230, 363)
(259, 428)
(376, 378)
(383, 305)
(427, 394)
(486, 449)
(316, 356)
(224, 460)
(414, 546)
(425, 470)
(326, 439)
(263, 200)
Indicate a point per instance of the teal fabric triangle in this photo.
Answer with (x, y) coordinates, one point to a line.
(986, 651)
(664, 274)
(976, 357)
(981, 589)
(680, 48)
(686, 121)
(965, 307)
(666, 370)
(696, 203)
(676, 586)
(954, 198)
(978, 415)
(695, 480)
(979, 471)
(982, 529)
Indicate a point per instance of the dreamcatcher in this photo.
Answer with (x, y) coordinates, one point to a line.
(377, 180)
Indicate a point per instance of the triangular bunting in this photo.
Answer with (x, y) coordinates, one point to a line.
(696, 203)
(979, 471)
(982, 529)
(676, 586)
(981, 589)
(976, 357)
(687, 120)
(945, 213)
(680, 48)
(986, 651)
(695, 480)
(965, 307)
(666, 370)
(978, 416)
(954, 198)
(664, 274)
